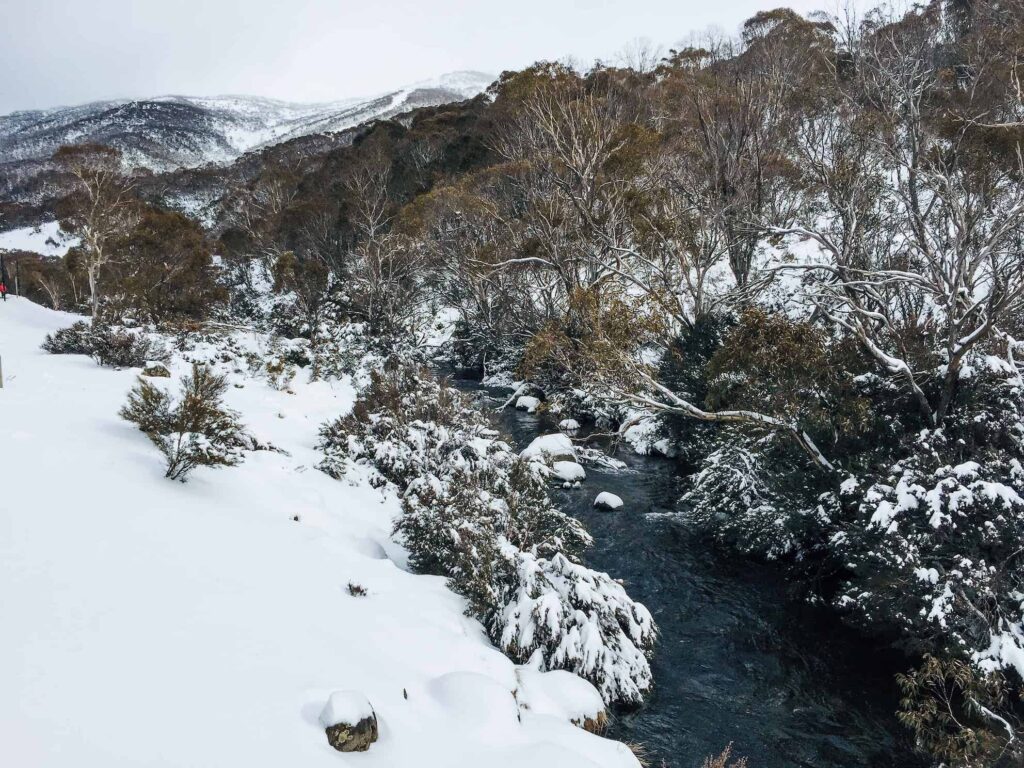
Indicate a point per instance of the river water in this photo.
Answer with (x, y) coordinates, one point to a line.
(738, 659)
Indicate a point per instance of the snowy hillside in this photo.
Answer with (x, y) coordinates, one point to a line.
(48, 239)
(206, 624)
(169, 132)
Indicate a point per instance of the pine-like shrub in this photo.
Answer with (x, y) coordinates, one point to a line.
(195, 431)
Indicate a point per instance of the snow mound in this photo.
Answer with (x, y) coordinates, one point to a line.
(478, 698)
(569, 426)
(547, 448)
(606, 500)
(569, 471)
(347, 707)
(559, 694)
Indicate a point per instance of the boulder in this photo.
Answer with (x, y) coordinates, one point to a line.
(607, 500)
(156, 370)
(349, 721)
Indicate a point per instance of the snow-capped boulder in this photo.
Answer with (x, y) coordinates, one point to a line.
(527, 403)
(569, 426)
(548, 448)
(561, 694)
(350, 722)
(569, 471)
(606, 500)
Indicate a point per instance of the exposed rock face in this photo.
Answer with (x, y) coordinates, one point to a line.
(353, 738)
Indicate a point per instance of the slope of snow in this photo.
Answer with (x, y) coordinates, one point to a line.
(148, 622)
(47, 239)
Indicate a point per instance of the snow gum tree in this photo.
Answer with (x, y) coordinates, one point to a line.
(100, 210)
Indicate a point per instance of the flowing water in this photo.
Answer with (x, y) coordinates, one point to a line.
(738, 659)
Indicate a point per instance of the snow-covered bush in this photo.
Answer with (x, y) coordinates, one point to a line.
(76, 339)
(476, 512)
(108, 345)
(119, 348)
(580, 620)
(746, 497)
(196, 431)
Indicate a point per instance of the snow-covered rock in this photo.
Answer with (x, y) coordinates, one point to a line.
(527, 403)
(349, 721)
(569, 426)
(569, 471)
(606, 500)
(548, 448)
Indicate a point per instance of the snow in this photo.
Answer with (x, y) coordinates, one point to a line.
(138, 604)
(47, 239)
(608, 500)
(559, 694)
(569, 471)
(569, 426)
(348, 707)
(527, 403)
(550, 448)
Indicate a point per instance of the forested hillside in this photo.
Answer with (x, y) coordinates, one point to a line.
(791, 260)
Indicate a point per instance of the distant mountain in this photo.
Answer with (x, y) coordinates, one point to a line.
(170, 132)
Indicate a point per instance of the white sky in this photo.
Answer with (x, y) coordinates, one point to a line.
(56, 52)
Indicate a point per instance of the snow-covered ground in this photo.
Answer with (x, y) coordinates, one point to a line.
(149, 622)
(47, 239)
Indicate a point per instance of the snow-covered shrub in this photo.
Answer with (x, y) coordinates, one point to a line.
(76, 339)
(119, 348)
(196, 431)
(476, 512)
(746, 498)
(934, 542)
(108, 345)
(580, 620)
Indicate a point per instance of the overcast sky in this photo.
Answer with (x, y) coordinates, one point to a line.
(58, 52)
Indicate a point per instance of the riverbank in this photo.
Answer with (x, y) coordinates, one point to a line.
(738, 660)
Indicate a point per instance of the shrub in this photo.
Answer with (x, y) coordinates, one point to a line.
(76, 339)
(722, 760)
(118, 348)
(196, 431)
(476, 512)
(952, 711)
(109, 346)
(750, 495)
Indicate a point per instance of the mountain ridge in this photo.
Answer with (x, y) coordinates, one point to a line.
(171, 131)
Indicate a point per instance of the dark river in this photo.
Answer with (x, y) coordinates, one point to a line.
(738, 659)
